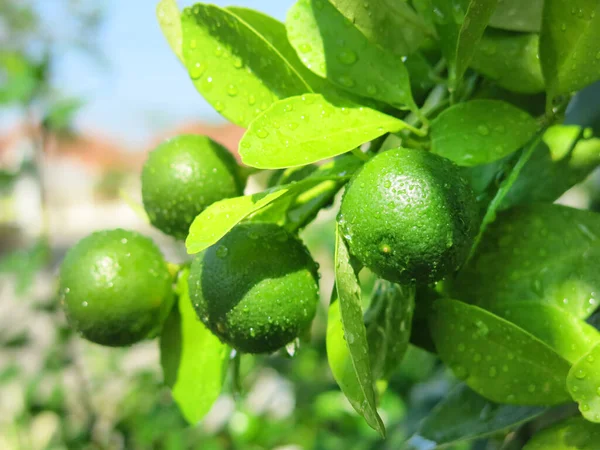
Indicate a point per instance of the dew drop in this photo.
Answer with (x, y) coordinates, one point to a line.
(346, 81)
(483, 130)
(262, 133)
(222, 251)
(580, 374)
(232, 90)
(347, 57)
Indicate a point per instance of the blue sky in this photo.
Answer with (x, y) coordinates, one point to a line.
(143, 90)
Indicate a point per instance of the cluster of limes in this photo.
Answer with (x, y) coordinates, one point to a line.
(407, 215)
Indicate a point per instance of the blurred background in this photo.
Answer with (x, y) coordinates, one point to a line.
(87, 88)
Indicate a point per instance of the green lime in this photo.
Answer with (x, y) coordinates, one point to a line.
(409, 215)
(184, 175)
(115, 287)
(256, 288)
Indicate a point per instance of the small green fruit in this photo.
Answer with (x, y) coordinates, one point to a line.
(256, 288)
(183, 176)
(115, 287)
(409, 215)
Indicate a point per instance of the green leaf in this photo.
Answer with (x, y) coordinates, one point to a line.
(236, 70)
(274, 31)
(333, 48)
(25, 263)
(570, 45)
(388, 321)
(347, 346)
(518, 15)
(542, 252)
(460, 25)
(391, 24)
(583, 384)
(60, 115)
(569, 336)
(169, 19)
(510, 60)
(219, 218)
(571, 434)
(215, 221)
(305, 129)
(480, 131)
(496, 358)
(464, 415)
(193, 359)
(562, 160)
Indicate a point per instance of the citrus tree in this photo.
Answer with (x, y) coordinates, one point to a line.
(443, 123)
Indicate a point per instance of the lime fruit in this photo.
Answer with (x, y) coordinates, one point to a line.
(115, 287)
(409, 216)
(256, 288)
(184, 175)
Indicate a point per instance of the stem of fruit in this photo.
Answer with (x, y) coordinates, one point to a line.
(308, 204)
(490, 214)
(236, 382)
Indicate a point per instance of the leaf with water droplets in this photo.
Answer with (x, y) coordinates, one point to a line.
(169, 19)
(570, 45)
(518, 15)
(480, 131)
(542, 252)
(569, 336)
(333, 48)
(460, 25)
(510, 60)
(583, 384)
(496, 358)
(194, 360)
(464, 415)
(563, 159)
(305, 129)
(388, 321)
(219, 218)
(236, 69)
(390, 24)
(347, 345)
(574, 433)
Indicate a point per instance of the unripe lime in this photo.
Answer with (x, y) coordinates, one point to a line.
(184, 175)
(409, 215)
(256, 288)
(115, 287)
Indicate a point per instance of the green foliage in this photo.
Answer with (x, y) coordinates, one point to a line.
(583, 383)
(480, 131)
(572, 434)
(516, 262)
(332, 47)
(570, 45)
(472, 341)
(517, 15)
(194, 360)
(352, 369)
(311, 128)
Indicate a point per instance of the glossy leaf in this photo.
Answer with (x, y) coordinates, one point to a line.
(583, 384)
(570, 44)
(510, 60)
(465, 415)
(194, 360)
(542, 252)
(571, 434)
(333, 48)
(275, 33)
(352, 337)
(236, 70)
(460, 25)
(496, 358)
(518, 15)
(169, 19)
(305, 129)
(392, 25)
(569, 336)
(388, 321)
(563, 159)
(219, 218)
(480, 131)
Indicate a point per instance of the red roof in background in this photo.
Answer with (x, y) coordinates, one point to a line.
(96, 150)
